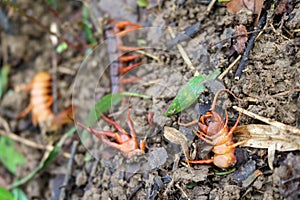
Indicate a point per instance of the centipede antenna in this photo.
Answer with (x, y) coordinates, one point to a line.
(216, 97)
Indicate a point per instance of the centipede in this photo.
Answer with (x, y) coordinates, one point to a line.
(213, 130)
(41, 101)
(114, 32)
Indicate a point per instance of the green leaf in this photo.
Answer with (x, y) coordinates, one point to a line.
(61, 47)
(142, 3)
(5, 195)
(19, 194)
(191, 185)
(224, 1)
(47, 160)
(189, 93)
(8, 155)
(4, 79)
(86, 25)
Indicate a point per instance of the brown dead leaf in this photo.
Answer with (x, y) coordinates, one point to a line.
(268, 137)
(240, 43)
(173, 135)
(234, 6)
(265, 136)
(284, 6)
(255, 6)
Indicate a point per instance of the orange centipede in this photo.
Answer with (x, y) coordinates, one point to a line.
(41, 101)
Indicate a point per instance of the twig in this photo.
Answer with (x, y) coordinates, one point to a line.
(238, 35)
(149, 55)
(29, 143)
(135, 190)
(183, 53)
(69, 169)
(282, 126)
(210, 6)
(24, 141)
(229, 67)
(182, 191)
(249, 47)
(54, 41)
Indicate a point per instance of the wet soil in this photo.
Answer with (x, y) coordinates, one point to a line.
(269, 87)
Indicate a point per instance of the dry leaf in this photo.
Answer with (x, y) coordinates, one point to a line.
(234, 6)
(255, 6)
(275, 136)
(284, 6)
(265, 136)
(268, 137)
(173, 135)
(240, 43)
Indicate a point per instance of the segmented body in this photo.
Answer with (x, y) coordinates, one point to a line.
(113, 54)
(41, 101)
(113, 33)
(214, 131)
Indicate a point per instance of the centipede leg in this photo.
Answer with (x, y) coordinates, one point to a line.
(129, 58)
(206, 161)
(129, 48)
(235, 125)
(129, 80)
(115, 124)
(203, 137)
(124, 70)
(122, 25)
(25, 111)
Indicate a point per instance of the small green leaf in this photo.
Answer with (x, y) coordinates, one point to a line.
(225, 172)
(19, 194)
(191, 185)
(189, 93)
(8, 155)
(142, 3)
(4, 79)
(61, 47)
(224, 1)
(5, 195)
(86, 25)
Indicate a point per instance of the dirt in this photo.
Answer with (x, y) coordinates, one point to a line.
(269, 86)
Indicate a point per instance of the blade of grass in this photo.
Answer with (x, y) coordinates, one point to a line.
(46, 161)
(87, 29)
(4, 79)
(19, 194)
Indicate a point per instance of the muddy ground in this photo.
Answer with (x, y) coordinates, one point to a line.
(269, 86)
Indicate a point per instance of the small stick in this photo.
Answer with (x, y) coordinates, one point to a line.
(54, 41)
(183, 53)
(249, 47)
(135, 190)
(210, 6)
(68, 172)
(29, 142)
(24, 141)
(282, 126)
(237, 35)
(182, 191)
(229, 67)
